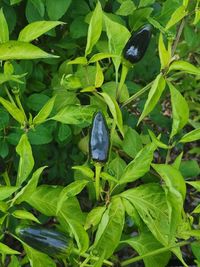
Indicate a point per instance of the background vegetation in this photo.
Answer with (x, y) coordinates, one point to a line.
(60, 63)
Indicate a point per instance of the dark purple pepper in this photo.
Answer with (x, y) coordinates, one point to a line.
(136, 46)
(48, 241)
(99, 139)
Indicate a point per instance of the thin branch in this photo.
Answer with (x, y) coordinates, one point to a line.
(178, 35)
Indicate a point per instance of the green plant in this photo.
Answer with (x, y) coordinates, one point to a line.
(143, 201)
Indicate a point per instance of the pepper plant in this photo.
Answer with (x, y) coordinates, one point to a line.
(98, 143)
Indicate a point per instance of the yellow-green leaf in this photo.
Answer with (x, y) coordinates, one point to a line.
(21, 50)
(95, 28)
(36, 29)
(154, 95)
(99, 78)
(26, 161)
(180, 110)
(14, 111)
(164, 54)
(4, 32)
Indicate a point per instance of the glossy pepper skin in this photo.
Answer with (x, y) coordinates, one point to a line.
(48, 241)
(136, 46)
(99, 139)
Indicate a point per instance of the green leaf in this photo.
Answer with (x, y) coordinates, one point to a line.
(14, 262)
(94, 217)
(40, 135)
(39, 6)
(64, 133)
(177, 161)
(146, 243)
(191, 136)
(4, 31)
(25, 215)
(55, 12)
(116, 41)
(36, 29)
(156, 140)
(78, 60)
(116, 167)
(115, 111)
(75, 114)
(45, 199)
(154, 95)
(110, 229)
(22, 50)
(44, 112)
(70, 190)
(95, 28)
(175, 193)
(195, 184)
(29, 188)
(107, 177)
(132, 143)
(100, 56)
(139, 166)
(189, 168)
(77, 230)
(14, 111)
(6, 191)
(99, 76)
(150, 202)
(4, 249)
(164, 54)
(197, 17)
(144, 3)
(178, 14)
(38, 259)
(180, 110)
(126, 8)
(26, 161)
(86, 171)
(184, 66)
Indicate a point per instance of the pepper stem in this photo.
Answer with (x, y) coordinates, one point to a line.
(98, 167)
(124, 73)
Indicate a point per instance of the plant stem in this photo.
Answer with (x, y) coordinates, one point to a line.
(178, 35)
(122, 80)
(136, 95)
(95, 258)
(98, 167)
(153, 253)
(9, 95)
(6, 178)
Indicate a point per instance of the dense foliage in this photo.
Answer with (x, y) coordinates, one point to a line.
(62, 63)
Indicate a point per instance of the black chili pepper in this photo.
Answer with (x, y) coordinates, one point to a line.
(99, 139)
(136, 46)
(48, 241)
